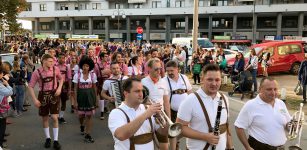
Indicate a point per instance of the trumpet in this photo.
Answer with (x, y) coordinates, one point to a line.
(163, 120)
(296, 127)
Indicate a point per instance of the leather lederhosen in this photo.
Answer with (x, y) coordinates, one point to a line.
(65, 86)
(140, 139)
(49, 102)
(223, 127)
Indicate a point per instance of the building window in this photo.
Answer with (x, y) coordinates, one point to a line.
(117, 25)
(65, 25)
(118, 6)
(156, 4)
(45, 26)
(98, 25)
(180, 25)
(42, 7)
(270, 23)
(161, 25)
(290, 23)
(247, 23)
(201, 3)
(63, 6)
(83, 6)
(81, 25)
(76, 6)
(96, 6)
(179, 4)
(215, 24)
(222, 3)
(138, 5)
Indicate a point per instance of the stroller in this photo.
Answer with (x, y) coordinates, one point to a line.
(243, 84)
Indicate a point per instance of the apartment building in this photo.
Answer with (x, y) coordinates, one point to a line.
(163, 20)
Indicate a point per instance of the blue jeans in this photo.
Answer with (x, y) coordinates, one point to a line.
(254, 75)
(20, 96)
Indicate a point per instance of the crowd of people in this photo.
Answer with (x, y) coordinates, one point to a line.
(84, 72)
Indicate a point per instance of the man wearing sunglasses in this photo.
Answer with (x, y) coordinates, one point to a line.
(158, 93)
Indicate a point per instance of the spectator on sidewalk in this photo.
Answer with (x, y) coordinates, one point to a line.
(302, 77)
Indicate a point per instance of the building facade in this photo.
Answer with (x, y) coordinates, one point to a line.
(163, 20)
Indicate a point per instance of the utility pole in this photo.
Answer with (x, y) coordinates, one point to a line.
(254, 24)
(195, 26)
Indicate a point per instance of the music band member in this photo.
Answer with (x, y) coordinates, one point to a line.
(86, 101)
(66, 75)
(197, 114)
(158, 93)
(179, 87)
(265, 118)
(48, 97)
(107, 92)
(132, 124)
(103, 72)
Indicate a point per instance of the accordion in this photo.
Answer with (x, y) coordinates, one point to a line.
(117, 92)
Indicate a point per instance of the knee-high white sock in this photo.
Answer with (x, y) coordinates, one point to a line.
(55, 133)
(46, 131)
(61, 115)
(101, 103)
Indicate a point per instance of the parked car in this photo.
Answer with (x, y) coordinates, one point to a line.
(230, 54)
(285, 56)
(8, 57)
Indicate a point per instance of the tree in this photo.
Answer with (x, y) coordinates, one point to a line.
(9, 10)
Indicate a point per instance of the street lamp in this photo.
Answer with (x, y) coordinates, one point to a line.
(117, 13)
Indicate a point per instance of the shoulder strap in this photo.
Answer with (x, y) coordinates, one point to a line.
(227, 122)
(41, 77)
(170, 87)
(54, 78)
(184, 82)
(206, 116)
(128, 120)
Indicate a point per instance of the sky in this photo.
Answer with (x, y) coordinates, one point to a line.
(26, 24)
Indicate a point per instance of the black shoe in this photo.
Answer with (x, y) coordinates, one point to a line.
(6, 134)
(72, 109)
(82, 130)
(62, 121)
(4, 140)
(25, 105)
(48, 143)
(101, 116)
(88, 139)
(56, 145)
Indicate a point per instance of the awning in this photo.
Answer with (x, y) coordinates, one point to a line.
(231, 41)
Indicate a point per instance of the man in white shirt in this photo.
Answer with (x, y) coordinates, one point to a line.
(197, 114)
(132, 124)
(179, 87)
(106, 92)
(265, 118)
(158, 93)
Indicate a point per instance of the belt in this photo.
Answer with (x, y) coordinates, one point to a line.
(179, 91)
(142, 139)
(265, 146)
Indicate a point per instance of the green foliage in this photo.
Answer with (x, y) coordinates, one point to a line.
(10, 9)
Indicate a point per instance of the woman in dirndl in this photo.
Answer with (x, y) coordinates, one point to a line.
(85, 91)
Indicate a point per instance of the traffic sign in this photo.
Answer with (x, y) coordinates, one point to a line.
(139, 30)
(139, 36)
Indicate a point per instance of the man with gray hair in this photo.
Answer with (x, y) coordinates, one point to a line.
(158, 93)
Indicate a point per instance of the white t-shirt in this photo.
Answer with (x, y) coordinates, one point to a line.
(191, 111)
(133, 70)
(156, 90)
(117, 119)
(264, 122)
(107, 84)
(177, 99)
(89, 80)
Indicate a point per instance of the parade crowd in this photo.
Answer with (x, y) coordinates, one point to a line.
(80, 76)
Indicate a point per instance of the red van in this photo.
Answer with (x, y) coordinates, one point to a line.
(285, 56)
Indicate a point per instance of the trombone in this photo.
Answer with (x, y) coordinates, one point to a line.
(162, 119)
(296, 127)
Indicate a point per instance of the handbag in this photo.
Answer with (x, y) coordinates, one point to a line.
(196, 69)
(298, 89)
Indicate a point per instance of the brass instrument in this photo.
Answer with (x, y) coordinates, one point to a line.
(296, 127)
(162, 119)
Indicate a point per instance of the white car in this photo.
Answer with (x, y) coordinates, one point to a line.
(229, 54)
